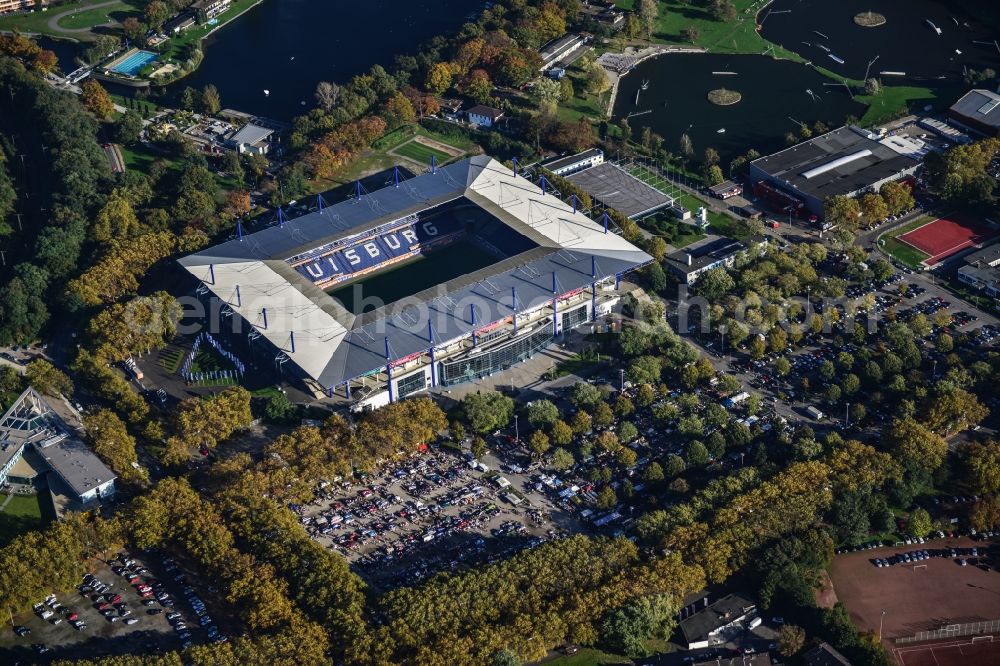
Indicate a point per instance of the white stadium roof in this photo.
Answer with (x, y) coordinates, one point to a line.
(332, 345)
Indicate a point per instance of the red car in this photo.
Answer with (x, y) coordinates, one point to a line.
(73, 617)
(117, 599)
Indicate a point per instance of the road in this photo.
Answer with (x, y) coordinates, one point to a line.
(53, 22)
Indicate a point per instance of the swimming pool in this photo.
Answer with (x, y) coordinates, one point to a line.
(131, 64)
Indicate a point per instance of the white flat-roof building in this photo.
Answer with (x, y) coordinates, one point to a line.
(568, 164)
(252, 139)
(30, 421)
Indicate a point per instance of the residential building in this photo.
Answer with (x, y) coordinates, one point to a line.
(709, 626)
(209, 9)
(824, 655)
(978, 110)
(483, 116)
(563, 166)
(845, 162)
(179, 24)
(690, 263)
(7, 6)
(31, 421)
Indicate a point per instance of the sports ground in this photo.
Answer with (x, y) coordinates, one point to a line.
(945, 236)
(933, 594)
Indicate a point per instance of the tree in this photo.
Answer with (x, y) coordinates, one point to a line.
(983, 462)
(606, 498)
(156, 14)
(915, 445)
(562, 459)
(627, 629)
(714, 175)
(585, 395)
(128, 128)
(116, 219)
(696, 454)
(920, 523)
(897, 196)
(187, 99)
(133, 28)
(504, 658)
(723, 10)
(539, 443)
(653, 472)
(211, 102)
(686, 146)
(954, 410)
(561, 433)
(96, 99)
(439, 78)
(478, 447)
(582, 423)
(791, 638)
(114, 445)
(542, 413)
(479, 86)
(758, 347)
(627, 431)
(874, 208)
(327, 94)
(597, 78)
(602, 415)
(842, 211)
(487, 411)
(279, 408)
(647, 12)
(46, 378)
(873, 86)
(691, 34)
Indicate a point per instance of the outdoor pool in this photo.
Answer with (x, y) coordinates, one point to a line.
(133, 63)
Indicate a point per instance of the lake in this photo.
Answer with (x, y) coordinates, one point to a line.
(906, 43)
(288, 46)
(776, 97)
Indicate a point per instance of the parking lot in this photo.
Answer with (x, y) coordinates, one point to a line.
(120, 604)
(921, 595)
(434, 511)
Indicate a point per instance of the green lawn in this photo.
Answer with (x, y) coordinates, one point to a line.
(421, 153)
(176, 47)
(739, 36)
(21, 515)
(89, 18)
(589, 657)
(907, 254)
(209, 360)
(170, 359)
(888, 104)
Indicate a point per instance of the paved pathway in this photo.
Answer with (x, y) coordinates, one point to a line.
(6, 502)
(53, 22)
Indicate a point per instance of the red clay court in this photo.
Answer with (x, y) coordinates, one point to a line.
(963, 652)
(945, 236)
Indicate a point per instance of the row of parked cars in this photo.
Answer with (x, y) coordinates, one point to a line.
(958, 554)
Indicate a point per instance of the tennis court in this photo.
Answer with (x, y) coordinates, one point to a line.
(132, 63)
(945, 236)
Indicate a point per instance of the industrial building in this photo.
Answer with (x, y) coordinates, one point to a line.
(979, 111)
(845, 162)
(551, 268)
(79, 474)
(613, 186)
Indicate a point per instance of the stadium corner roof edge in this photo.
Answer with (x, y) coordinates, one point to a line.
(254, 277)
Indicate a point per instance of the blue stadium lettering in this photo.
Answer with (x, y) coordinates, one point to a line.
(315, 270)
(430, 229)
(392, 241)
(409, 235)
(352, 257)
(372, 250)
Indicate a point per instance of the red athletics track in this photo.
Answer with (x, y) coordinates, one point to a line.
(946, 236)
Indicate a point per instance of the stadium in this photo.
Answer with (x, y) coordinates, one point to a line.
(444, 278)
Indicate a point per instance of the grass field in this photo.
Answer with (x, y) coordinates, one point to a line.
(389, 286)
(89, 18)
(170, 359)
(887, 104)
(22, 514)
(589, 657)
(421, 153)
(907, 254)
(718, 223)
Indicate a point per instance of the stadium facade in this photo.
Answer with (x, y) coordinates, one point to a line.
(551, 268)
